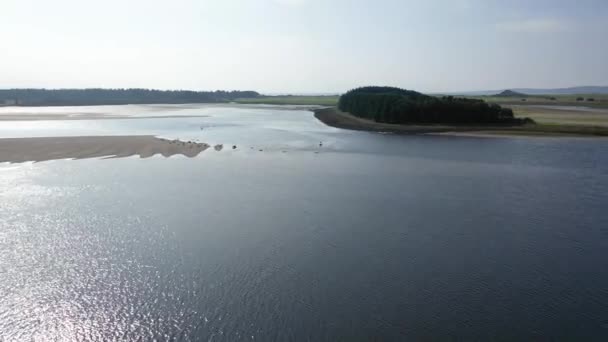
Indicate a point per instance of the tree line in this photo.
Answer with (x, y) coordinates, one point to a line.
(98, 96)
(400, 106)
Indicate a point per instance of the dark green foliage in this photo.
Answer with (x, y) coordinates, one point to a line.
(591, 99)
(580, 99)
(399, 106)
(75, 97)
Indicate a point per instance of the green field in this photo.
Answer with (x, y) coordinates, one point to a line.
(563, 115)
(599, 100)
(559, 113)
(292, 100)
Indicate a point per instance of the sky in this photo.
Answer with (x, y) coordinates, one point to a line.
(303, 46)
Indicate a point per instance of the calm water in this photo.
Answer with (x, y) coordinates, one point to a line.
(368, 237)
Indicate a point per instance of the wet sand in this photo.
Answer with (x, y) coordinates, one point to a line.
(17, 150)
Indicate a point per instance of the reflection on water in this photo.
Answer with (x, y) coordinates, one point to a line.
(374, 238)
(258, 126)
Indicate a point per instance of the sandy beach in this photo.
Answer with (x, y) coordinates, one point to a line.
(17, 150)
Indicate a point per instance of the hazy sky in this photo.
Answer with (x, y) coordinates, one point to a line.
(303, 45)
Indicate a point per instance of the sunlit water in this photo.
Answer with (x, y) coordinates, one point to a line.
(367, 237)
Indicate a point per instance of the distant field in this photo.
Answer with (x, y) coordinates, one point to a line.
(292, 100)
(563, 115)
(599, 100)
(559, 112)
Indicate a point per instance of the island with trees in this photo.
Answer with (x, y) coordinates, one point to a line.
(395, 110)
(400, 106)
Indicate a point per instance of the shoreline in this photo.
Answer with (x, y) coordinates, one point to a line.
(19, 150)
(88, 116)
(331, 116)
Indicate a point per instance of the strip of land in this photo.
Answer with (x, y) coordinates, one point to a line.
(18, 150)
(335, 118)
(86, 116)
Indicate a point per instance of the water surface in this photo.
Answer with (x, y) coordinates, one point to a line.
(366, 237)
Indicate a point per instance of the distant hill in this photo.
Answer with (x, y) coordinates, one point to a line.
(91, 97)
(510, 93)
(541, 91)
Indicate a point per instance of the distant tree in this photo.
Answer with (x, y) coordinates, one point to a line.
(552, 98)
(50, 97)
(524, 100)
(580, 99)
(591, 99)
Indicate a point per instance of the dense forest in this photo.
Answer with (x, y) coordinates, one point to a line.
(400, 106)
(76, 97)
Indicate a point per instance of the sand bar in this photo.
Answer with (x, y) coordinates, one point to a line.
(17, 150)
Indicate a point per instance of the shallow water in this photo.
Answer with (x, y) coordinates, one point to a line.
(367, 237)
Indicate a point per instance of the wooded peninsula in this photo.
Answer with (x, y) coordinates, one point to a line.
(400, 106)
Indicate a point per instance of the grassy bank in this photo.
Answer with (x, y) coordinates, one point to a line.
(563, 115)
(333, 117)
(292, 100)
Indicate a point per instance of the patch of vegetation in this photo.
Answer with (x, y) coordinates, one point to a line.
(335, 118)
(400, 106)
(329, 100)
(79, 97)
(600, 100)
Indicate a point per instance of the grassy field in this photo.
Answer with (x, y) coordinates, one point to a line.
(563, 115)
(292, 100)
(599, 100)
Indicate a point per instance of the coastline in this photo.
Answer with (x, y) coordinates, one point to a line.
(88, 116)
(333, 117)
(19, 150)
